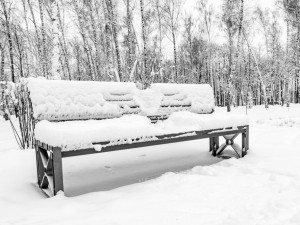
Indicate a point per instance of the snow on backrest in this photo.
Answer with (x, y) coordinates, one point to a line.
(197, 98)
(58, 100)
(73, 100)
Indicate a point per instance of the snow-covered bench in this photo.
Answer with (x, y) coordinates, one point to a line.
(78, 117)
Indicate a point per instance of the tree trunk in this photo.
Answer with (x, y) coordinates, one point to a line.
(83, 36)
(263, 87)
(95, 40)
(175, 57)
(20, 51)
(112, 19)
(8, 33)
(236, 58)
(28, 38)
(64, 46)
(238, 49)
(56, 33)
(108, 43)
(129, 38)
(159, 17)
(145, 76)
(39, 48)
(43, 43)
(2, 75)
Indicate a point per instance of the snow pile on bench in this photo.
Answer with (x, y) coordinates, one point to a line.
(199, 96)
(74, 135)
(66, 100)
(187, 121)
(149, 101)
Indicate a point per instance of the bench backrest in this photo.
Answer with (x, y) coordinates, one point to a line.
(80, 100)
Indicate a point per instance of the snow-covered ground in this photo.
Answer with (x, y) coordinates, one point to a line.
(172, 184)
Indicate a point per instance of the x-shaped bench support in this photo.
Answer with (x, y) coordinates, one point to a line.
(50, 180)
(229, 141)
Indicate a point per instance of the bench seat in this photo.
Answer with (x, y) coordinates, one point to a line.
(76, 135)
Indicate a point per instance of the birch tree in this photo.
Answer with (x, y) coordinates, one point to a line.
(129, 40)
(113, 24)
(2, 62)
(56, 34)
(146, 75)
(172, 9)
(39, 56)
(44, 59)
(206, 14)
(8, 31)
(233, 19)
(159, 15)
(81, 26)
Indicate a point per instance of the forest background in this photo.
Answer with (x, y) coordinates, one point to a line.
(248, 51)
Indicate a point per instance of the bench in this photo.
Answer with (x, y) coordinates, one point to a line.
(73, 118)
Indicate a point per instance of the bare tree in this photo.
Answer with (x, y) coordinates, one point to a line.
(38, 41)
(44, 58)
(112, 19)
(20, 48)
(80, 17)
(233, 20)
(172, 9)
(2, 63)
(146, 74)
(108, 44)
(6, 13)
(63, 43)
(207, 15)
(55, 41)
(158, 5)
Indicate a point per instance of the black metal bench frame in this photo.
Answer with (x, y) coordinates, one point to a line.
(49, 158)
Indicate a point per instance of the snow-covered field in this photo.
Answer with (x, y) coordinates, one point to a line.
(172, 184)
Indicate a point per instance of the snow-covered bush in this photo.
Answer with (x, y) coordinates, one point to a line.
(23, 104)
(14, 101)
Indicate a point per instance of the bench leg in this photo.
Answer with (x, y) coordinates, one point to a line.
(49, 170)
(57, 171)
(245, 141)
(39, 165)
(214, 145)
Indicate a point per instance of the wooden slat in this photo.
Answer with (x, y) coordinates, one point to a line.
(163, 113)
(163, 139)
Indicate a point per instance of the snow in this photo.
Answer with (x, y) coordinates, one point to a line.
(59, 100)
(74, 135)
(127, 187)
(187, 121)
(199, 96)
(65, 100)
(149, 101)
